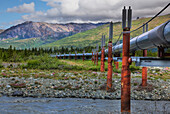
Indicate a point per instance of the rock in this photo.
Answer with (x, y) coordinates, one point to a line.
(8, 86)
(18, 93)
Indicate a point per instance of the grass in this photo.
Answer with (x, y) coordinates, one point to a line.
(52, 68)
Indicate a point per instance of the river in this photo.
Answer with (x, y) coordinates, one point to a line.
(18, 105)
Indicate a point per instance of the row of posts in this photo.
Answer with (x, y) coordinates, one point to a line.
(64, 57)
(126, 60)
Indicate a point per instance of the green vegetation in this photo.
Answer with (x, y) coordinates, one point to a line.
(93, 36)
(21, 55)
(25, 43)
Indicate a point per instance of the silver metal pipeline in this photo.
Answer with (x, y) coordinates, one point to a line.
(157, 37)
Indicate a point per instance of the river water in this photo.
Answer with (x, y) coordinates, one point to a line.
(18, 105)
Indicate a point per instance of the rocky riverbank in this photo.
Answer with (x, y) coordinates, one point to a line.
(82, 85)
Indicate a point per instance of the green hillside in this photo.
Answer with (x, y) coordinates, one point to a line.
(92, 37)
(25, 43)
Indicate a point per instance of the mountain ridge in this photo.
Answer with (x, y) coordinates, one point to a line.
(30, 29)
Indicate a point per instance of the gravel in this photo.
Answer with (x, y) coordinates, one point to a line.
(82, 88)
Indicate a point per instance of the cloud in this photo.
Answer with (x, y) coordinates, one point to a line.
(65, 11)
(25, 8)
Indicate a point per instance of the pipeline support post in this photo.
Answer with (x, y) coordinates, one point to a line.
(75, 55)
(69, 56)
(56, 56)
(92, 56)
(102, 69)
(83, 54)
(97, 58)
(110, 67)
(144, 71)
(161, 52)
(97, 48)
(116, 63)
(125, 75)
(110, 59)
(60, 55)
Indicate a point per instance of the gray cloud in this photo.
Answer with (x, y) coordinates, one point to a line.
(25, 8)
(64, 11)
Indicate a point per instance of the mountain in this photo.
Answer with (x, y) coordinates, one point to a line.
(1, 30)
(86, 35)
(93, 36)
(31, 29)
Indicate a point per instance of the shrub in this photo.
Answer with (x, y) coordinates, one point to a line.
(1, 66)
(33, 63)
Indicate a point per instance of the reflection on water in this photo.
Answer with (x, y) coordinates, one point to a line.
(16, 105)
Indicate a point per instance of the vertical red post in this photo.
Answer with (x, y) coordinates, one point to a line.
(102, 60)
(75, 57)
(92, 57)
(83, 56)
(97, 58)
(126, 61)
(60, 56)
(117, 65)
(125, 76)
(144, 71)
(160, 52)
(115, 62)
(110, 59)
(110, 67)
(69, 56)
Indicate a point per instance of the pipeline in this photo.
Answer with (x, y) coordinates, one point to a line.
(157, 37)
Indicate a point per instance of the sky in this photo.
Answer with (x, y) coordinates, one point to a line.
(13, 12)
